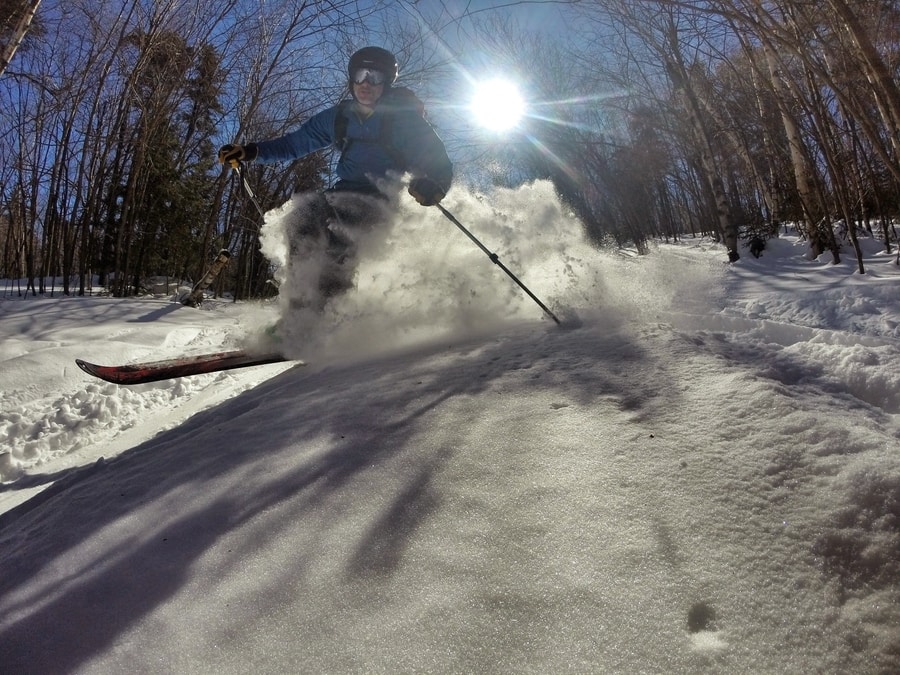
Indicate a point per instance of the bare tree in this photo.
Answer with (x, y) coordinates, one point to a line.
(115, 116)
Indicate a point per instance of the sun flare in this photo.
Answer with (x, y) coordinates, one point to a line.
(497, 105)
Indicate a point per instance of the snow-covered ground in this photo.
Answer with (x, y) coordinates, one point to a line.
(698, 473)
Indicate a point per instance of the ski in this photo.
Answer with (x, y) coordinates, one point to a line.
(154, 371)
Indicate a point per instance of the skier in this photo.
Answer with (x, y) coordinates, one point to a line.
(381, 134)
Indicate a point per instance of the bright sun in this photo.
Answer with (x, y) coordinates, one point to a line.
(498, 105)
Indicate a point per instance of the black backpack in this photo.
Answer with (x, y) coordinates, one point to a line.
(398, 98)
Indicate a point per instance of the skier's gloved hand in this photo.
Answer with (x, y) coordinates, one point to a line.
(234, 154)
(425, 191)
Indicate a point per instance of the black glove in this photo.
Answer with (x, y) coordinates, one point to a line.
(234, 154)
(425, 191)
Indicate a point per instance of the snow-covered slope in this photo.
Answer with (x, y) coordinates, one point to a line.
(700, 476)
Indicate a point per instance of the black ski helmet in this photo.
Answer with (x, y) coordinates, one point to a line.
(375, 58)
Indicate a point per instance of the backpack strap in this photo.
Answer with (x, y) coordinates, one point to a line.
(404, 98)
(341, 120)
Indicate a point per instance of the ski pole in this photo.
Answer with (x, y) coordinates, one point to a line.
(496, 260)
(240, 170)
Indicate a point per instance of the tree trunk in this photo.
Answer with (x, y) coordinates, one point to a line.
(680, 77)
(804, 177)
(18, 35)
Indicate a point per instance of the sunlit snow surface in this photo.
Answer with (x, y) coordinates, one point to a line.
(698, 473)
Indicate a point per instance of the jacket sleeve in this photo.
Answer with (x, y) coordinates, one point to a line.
(422, 149)
(316, 133)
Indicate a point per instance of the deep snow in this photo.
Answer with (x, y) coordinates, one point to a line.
(699, 473)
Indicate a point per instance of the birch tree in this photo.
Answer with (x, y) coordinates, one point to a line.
(21, 14)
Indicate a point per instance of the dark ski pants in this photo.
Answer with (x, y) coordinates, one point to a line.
(330, 230)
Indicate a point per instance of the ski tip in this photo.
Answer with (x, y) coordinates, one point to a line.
(90, 368)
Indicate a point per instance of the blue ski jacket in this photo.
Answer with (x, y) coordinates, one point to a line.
(372, 146)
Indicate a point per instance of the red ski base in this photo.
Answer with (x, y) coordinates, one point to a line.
(154, 371)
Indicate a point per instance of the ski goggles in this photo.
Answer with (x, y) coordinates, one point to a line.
(373, 77)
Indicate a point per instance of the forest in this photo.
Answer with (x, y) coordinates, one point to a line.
(653, 120)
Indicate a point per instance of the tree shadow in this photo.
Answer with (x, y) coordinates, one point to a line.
(158, 313)
(368, 412)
